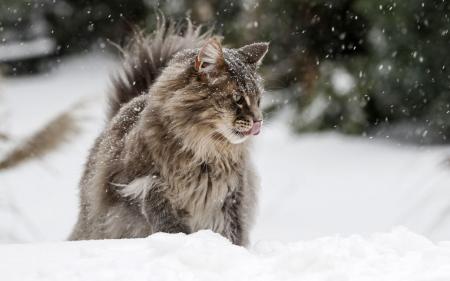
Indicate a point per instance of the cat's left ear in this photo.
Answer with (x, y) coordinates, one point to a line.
(254, 53)
(210, 57)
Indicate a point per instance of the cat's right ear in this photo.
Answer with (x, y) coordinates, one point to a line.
(210, 57)
(254, 53)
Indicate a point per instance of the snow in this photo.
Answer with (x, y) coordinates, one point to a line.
(397, 255)
(342, 81)
(324, 184)
(38, 200)
(25, 50)
(313, 185)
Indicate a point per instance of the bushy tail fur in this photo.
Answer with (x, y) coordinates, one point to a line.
(146, 56)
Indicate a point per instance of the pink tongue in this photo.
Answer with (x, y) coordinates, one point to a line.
(256, 128)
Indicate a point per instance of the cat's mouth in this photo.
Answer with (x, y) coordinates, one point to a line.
(254, 130)
(236, 136)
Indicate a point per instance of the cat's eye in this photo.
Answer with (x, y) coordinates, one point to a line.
(239, 99)
(258, 102)
(204, 65)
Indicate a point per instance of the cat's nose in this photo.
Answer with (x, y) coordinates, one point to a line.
(256, 128)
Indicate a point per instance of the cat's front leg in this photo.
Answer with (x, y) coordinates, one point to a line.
(161, 215)
(234, 229)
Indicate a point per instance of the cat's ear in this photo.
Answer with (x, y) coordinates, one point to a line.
(254, 53)
(210, 56)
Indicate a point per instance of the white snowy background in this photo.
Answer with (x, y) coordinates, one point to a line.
(323, 197)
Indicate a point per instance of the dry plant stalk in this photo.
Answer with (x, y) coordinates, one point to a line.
(49, 138)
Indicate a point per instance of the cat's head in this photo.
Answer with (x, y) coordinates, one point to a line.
(230, 75)
(213, 94)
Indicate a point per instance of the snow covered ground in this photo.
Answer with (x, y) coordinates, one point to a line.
(313, 185)
(395, 256)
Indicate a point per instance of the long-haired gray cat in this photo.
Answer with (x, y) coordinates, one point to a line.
(174, 156)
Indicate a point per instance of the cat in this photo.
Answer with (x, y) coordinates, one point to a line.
(174, 156)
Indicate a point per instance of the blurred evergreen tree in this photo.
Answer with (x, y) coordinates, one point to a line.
(304, 36)
(222, 15)
(405, 73)
(76, 24)
(355, 64)
(73, 26)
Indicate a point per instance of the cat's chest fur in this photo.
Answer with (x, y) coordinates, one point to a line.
(202, 192)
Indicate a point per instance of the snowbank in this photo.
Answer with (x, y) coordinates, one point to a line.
(26, 50)
(398, 255)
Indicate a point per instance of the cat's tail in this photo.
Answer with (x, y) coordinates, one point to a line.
(146, 55)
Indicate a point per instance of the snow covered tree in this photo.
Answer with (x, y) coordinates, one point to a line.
(305, 37)
(40, 30)
(405, 73)
(353, 65)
